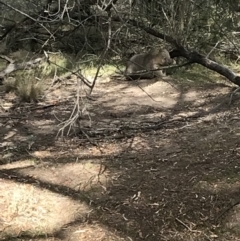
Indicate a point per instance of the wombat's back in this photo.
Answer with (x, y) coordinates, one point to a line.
(136, 63)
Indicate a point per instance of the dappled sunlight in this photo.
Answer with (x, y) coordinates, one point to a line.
(43, 154)
(84, 176)
(101, 79)
(191, 95)
(26, 209)
(43, 126)
(120, 120)
(162, 95)
(139, 164)
(86, 232)
(166, 102)
(136, 143)
(19, 164)
(103, 149)
(219, 186)
(139, 143)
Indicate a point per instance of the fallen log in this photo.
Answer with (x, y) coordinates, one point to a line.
(185, 52)
(13, 66)
(195, 57)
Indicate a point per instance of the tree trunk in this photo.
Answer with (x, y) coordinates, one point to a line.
(195, 57)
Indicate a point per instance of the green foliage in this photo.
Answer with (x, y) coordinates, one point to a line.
(105, 70)
(58, 65)
(195, 75)
(89, 65)
(199, 25)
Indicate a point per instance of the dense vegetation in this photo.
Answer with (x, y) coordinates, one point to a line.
(120, 27)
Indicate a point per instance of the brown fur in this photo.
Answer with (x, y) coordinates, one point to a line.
(147, 61)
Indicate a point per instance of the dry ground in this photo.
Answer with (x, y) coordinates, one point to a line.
(160, 161)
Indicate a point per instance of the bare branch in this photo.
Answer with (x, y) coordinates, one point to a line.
(26, 15)
(105, 51)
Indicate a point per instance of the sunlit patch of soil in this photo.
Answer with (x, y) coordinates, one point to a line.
(219, 186)
(19, 164)
(26, 209)
(83, 176)
(86, 232)
(103, 149)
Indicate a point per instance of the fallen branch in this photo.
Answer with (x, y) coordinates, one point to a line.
(186, 226)
(140, 72)
(12, 66)
(195, 57)
(184, 51)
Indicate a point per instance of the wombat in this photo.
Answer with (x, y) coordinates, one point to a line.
(147, 61)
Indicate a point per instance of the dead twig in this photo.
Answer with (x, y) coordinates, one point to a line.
(44, 106)
(186, 226)
(77, 112)
(76, 72)
(7, 59)
(191, 230)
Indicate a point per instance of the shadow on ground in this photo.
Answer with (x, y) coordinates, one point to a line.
(158, 162)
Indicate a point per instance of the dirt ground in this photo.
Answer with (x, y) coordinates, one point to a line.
(153, 160)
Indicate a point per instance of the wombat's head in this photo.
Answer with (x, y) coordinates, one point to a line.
(162, 58)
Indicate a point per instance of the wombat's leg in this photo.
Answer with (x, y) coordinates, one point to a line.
(163, 72)
(160, 73)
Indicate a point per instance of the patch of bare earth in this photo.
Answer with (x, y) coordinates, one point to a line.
(158, 161)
